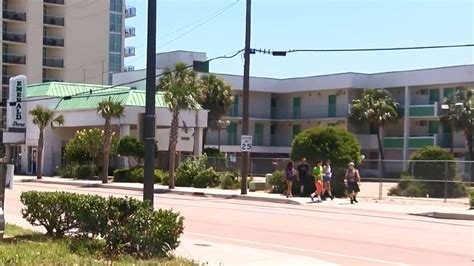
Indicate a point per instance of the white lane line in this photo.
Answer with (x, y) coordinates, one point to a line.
(297, 249)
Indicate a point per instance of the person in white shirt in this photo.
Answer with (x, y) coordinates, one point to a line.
(327, 179)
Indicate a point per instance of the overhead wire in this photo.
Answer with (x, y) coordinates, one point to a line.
(92, 93)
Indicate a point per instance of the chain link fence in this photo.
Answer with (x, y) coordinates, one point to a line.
(427, 179)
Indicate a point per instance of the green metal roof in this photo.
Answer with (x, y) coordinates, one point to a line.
(88, 96)
(62, 89)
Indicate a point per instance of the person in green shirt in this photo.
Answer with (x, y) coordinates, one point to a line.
(318, 179)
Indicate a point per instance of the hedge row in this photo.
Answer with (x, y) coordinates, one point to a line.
(136, 175)
(128, 226)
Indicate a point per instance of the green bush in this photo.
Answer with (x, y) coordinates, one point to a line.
(53, 210)
(278, 183)
(86, 171)
(213, 152)
(130, 146)
(408, 186)
(471, 199)
(68, 171)
(193, 172)
(328, 143)
(437, 171)
(128, 226)
(229, 180)
(136, 175)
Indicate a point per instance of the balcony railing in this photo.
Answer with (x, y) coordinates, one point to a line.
(414, 142)
(53, 20)
(53, 62)
(128, 68)
(6, 79)
(14, 59)
(130, 12)
(129, 32)
(53, 41)
(14, 37)
(14, 15)
(129, 51)
(57, 2)
(51, 80)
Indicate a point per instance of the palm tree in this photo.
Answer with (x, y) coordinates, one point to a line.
(108, 109)
(181, 92)
(451, 118)
(216, 96)
(465, 102)
(376, 107)
(42, 117)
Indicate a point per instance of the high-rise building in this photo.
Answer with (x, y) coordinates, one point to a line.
(63, 40)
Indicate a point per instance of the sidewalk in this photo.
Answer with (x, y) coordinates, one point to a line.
(435, 208)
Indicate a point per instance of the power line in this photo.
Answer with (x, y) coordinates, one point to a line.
(85, 94)
(283, 53)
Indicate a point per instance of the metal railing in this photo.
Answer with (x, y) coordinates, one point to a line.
(14, 15)
(53, 41)
(448, 180)
(129, 51)
(130, 12)
(14, 59)
(53, 62)
(129, 31)
(57, 2)
(53, 20)
(14, 37)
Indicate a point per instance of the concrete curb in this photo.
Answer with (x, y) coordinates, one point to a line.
(446, 215)
(164, 191)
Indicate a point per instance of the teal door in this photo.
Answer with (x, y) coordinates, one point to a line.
(432, 127)
(332, 105)
(232, 134)
(434, 96)
(296, 130)
(297, 107)
(448, 93)
(258, 134)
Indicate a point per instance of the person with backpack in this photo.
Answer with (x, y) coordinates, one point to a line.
(352, 181)
(318, 179)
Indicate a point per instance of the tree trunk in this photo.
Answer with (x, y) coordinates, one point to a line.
(39, 156)
(452, 138)
(106, 151)
(172, 147)
(382, 158)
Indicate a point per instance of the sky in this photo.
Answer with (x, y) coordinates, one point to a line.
(217, 27)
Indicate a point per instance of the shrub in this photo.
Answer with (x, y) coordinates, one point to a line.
(136, 175)
(408, 186)
(471, 199)
(278, 183)
(53, 210)
(437, 171)
(86, 171)
(128, 226)
(68, 171)
(87, 146)
(328, 143)
(130, 146)
(193, 172)
(229, 180)
(213, 152)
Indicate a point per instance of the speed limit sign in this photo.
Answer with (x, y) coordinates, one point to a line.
(246, 143)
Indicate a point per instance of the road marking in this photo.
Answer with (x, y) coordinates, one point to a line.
(297, 249)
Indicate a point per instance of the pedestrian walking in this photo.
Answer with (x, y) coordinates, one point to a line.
(353, 179)
(303, 174)
(327, 179)
(290, 176)
(318, 179)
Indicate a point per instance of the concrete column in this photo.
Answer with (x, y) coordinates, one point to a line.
(24, 159)
(406, 129)
(124, 131)
(198, 139)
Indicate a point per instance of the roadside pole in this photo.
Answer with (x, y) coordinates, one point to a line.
(2, 198)
(246, 85)
(149, 119)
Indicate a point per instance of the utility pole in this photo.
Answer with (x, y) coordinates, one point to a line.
(149, 119)
(245, 120)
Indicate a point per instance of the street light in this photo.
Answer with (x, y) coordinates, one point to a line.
(221, 123)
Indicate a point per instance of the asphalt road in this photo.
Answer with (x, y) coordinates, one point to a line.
(338, 236)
